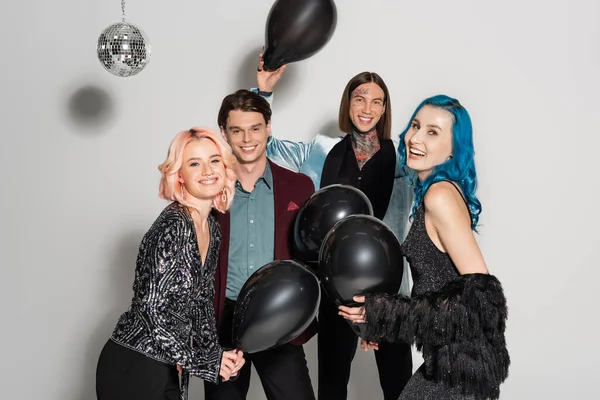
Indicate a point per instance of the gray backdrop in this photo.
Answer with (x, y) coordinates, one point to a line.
(80, 150)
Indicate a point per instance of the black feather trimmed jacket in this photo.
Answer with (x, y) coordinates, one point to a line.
(459, 329)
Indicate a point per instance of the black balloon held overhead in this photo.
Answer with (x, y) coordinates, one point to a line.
(360, 255)
(321, 212)
(276, 304)
(297, 29)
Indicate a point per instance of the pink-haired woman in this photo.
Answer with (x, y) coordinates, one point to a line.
(170, 327)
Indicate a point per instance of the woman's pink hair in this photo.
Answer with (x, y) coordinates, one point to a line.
(170, 187)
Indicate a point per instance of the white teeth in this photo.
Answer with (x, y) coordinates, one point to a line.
(208, 181)
(248, 148)
(417, 152)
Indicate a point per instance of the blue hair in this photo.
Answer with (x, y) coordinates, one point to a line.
(461, 167)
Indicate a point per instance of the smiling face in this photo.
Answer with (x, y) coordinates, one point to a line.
(247, 134)
(366, 106)
(202, 171)
(429, 140)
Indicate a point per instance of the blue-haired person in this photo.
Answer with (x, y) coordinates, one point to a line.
(457, 312)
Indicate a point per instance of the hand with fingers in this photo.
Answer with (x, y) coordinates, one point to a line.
(231, 363)
(354, 314)
(367, 345)
(239, 362)
(266, 80)
(357, 316)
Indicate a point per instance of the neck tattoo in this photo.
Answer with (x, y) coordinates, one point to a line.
(365, 145)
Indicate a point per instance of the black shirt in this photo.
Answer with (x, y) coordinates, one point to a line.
(375, 179)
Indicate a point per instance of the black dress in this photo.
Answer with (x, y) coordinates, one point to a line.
(457, 321)
(431, 270)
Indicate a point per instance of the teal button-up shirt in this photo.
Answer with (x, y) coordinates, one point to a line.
(251, 241)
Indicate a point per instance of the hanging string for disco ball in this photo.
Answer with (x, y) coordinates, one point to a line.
(123, 48)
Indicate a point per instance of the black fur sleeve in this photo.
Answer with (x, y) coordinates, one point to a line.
(464, 308)
(461, 327)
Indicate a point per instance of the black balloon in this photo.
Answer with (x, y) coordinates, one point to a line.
(275, 305)
(360, 255)
(297, 29)
(321, 212)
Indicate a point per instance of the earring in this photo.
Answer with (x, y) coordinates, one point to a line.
(182, 191)
(224, 197)
(450, 157)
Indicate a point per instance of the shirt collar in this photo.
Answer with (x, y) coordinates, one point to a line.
(266, 177)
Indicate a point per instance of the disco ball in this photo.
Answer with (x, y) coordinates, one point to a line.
(123, 49)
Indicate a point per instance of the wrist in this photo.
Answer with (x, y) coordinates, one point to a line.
(264, 92)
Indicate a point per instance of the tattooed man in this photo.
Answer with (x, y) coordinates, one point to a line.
(365, 157)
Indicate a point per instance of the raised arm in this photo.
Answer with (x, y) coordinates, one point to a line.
(286, 153)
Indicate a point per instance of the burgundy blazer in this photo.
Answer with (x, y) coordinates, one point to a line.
(290, 192)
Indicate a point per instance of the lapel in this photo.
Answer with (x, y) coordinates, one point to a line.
(333, 162)
(388, 170)
(221, 272)
(282, 195)
(225, 222)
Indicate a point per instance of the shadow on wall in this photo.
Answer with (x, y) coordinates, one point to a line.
(284, 91)
(90, 109)
(117, 296)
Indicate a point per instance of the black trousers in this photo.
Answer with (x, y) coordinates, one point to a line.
(282, 371)
(125, 374)
(337, 345)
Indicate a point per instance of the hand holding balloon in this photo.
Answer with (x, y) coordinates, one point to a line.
(239, 362)
(231, 363)
(359, 255)
(297, 29)
(357, 315)
(266, 80)
(354, 314)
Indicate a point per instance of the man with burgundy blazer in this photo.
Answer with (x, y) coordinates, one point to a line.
(256, 231)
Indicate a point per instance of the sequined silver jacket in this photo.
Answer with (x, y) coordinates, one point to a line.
(171, 318)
